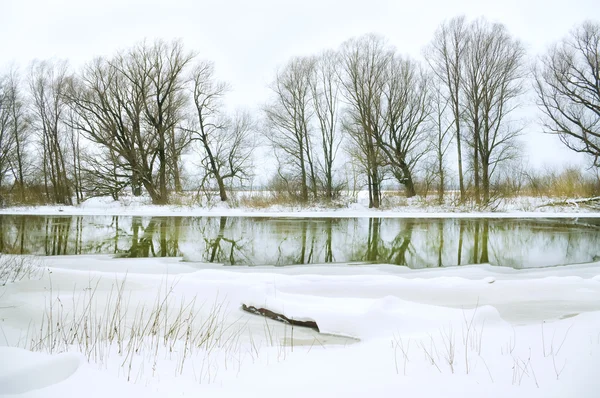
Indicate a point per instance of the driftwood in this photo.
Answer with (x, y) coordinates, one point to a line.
(279, 317)
(592, 202)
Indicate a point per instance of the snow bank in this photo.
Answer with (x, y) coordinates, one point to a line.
(524, 207)
(370, 318)
(518, 333)
(27, 371)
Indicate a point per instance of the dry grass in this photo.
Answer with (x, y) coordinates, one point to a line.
(99, 327)
(32, 196)
(568, 183)
(16, 268)
(265, 199)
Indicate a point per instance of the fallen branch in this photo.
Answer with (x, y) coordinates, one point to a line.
(279, 317)
(573, 202)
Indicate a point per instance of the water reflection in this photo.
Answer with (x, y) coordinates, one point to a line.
(416, 243)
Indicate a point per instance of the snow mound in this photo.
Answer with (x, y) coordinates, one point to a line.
(19, 366)
(109, 264)
(369, 318)
(100, 202)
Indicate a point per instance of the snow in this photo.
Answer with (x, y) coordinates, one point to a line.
(523, 207)
(470, 331)
(49, 370)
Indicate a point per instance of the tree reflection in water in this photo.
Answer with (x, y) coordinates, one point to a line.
(415, 243)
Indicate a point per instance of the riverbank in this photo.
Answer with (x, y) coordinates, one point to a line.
(394, 207)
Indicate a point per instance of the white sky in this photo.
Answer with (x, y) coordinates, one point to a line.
(248, 40)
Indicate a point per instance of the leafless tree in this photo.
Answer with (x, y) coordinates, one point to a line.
(364, 63)
(493, 81)
(108, 108)
(445, 56)
(7, 141)
(481, 69)
(225, 143)
(73, 139)
(441, 121)
(325, 91)
(20, 123)
(159, 76)
(407, 106)
(14, 131)
(288, 118)
(131, 105)
(48, 82)
(567, 82)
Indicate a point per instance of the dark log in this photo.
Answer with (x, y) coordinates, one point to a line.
(279, 317)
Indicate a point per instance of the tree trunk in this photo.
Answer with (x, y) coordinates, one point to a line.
(20, 179)
(441, 188)
(136, 187)
(485, 180)
(162, 173)
(409, 185)
(476, 160)
(461, 180)
(177, 178)
(376, 188)
(303, 179)
(370, 189)
(222, 190)
(175, 162)
(476, 176)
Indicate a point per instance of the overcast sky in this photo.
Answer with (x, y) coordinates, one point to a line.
(248, 40)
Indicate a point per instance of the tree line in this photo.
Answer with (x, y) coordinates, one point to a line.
(150, 117)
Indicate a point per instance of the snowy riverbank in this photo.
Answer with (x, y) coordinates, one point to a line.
(523, 207)
(156, 327)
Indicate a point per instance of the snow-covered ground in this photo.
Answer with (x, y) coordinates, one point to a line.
(349, 207)
(95, 326)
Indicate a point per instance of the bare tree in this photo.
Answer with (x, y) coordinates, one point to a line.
(131, 105)
(20, 123)
(109, 108)
(325, 91)
(14, 132)
(445, 56)
(162, 67)
(441, 137)
(48, 82)
(407, 107)
(364, 63)
(493, 77)
(7, 141)
(480, 66)
(288, 118)
(567, 82)
(73, 138)
(225, 143)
